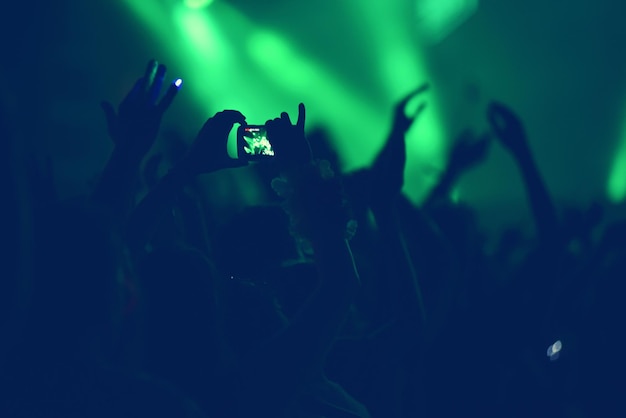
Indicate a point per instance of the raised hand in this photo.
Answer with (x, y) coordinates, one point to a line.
(469, 151)
(288, 140)
(507, 127)
(135, 125)
(209, 151)
(401, 122)
(388, 168)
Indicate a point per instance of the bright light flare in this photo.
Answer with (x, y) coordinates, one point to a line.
(178, 82)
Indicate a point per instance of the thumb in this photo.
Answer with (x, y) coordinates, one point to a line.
(301, 116)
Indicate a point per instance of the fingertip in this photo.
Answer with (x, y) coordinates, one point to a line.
(178, 83)
(301, 115)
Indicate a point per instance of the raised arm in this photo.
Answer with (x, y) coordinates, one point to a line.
(207, 154)
(467, 152)
(387, 171)
(400, 284)
(508, 128)
(133, 129)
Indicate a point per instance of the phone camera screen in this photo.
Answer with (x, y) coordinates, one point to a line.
(256, 142)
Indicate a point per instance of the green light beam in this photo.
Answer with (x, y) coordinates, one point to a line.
(401, 69)
(616, 184)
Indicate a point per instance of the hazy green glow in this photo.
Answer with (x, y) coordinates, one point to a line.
(193, 39)
(231, 62)
(402, 69)
(437, 18)
(354, 123)
(195, 26)
(198, 4)
(616, 187)
(455, 196)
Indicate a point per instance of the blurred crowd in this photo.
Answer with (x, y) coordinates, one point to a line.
(342, 298)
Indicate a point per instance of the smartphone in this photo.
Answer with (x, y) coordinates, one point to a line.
(253, 144)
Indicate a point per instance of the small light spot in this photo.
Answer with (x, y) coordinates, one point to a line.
(178, 82)
(554, 350)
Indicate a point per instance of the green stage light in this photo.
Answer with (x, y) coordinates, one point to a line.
(401, 68)
(229, 61)
(198, 4)
(616, 186)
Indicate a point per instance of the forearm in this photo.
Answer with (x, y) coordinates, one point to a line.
(541, 204)
(115, 189)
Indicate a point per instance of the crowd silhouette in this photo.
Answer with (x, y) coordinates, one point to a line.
(342, 298)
